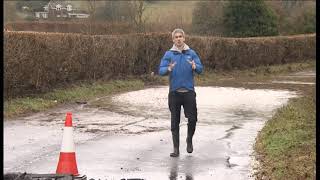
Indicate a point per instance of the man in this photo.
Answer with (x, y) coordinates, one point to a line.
(180, 63)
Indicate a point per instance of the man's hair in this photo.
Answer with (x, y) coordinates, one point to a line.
(177, 31)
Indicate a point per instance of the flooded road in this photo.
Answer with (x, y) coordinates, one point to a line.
(130, 136)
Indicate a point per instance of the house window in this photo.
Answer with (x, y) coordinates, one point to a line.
(58, 7)
(69, 7)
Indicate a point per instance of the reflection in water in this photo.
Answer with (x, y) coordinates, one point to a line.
(189, 162)
(188, 168)
(173, 169)
(189, 177)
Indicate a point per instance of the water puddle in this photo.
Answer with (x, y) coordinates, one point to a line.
(294, 82)
(305, 74)
(133, 139)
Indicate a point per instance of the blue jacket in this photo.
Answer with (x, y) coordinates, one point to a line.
(182, 74)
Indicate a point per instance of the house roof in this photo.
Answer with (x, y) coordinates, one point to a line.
(53, 3)
(64, 3)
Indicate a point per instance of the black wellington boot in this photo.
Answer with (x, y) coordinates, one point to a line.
(175, 139)
(191, 129)
(189, 145)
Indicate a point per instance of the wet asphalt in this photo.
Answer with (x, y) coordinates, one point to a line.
(132, 138)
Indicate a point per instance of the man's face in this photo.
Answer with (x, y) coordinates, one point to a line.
(178, 39)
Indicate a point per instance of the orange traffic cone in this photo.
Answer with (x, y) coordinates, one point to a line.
(67, 161)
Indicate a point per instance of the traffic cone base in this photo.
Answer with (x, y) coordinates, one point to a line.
(67, 164)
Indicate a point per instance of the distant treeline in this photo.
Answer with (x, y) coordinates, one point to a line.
(36, 62)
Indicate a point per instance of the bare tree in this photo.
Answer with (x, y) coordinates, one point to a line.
(138, 12)
(92, 12)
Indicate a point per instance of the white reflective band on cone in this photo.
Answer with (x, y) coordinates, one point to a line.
(67, 141)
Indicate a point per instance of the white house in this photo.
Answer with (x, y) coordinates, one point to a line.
(58, 9)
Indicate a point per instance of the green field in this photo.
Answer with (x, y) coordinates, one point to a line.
(179, 12)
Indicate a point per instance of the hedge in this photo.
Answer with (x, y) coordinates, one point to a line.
(36, 62)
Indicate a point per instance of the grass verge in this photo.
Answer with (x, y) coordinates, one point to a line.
(286, 146)
(84, 92)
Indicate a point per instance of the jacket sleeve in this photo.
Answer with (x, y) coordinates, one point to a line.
(163, 68)
(199, 66)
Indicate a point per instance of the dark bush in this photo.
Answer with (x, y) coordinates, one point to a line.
(253, 18)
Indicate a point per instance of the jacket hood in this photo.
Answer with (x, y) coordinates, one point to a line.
(175, 48)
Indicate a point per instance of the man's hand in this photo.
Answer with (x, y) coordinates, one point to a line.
(171, 65)
(193, 64)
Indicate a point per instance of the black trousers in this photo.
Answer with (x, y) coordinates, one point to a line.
(188, 101)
